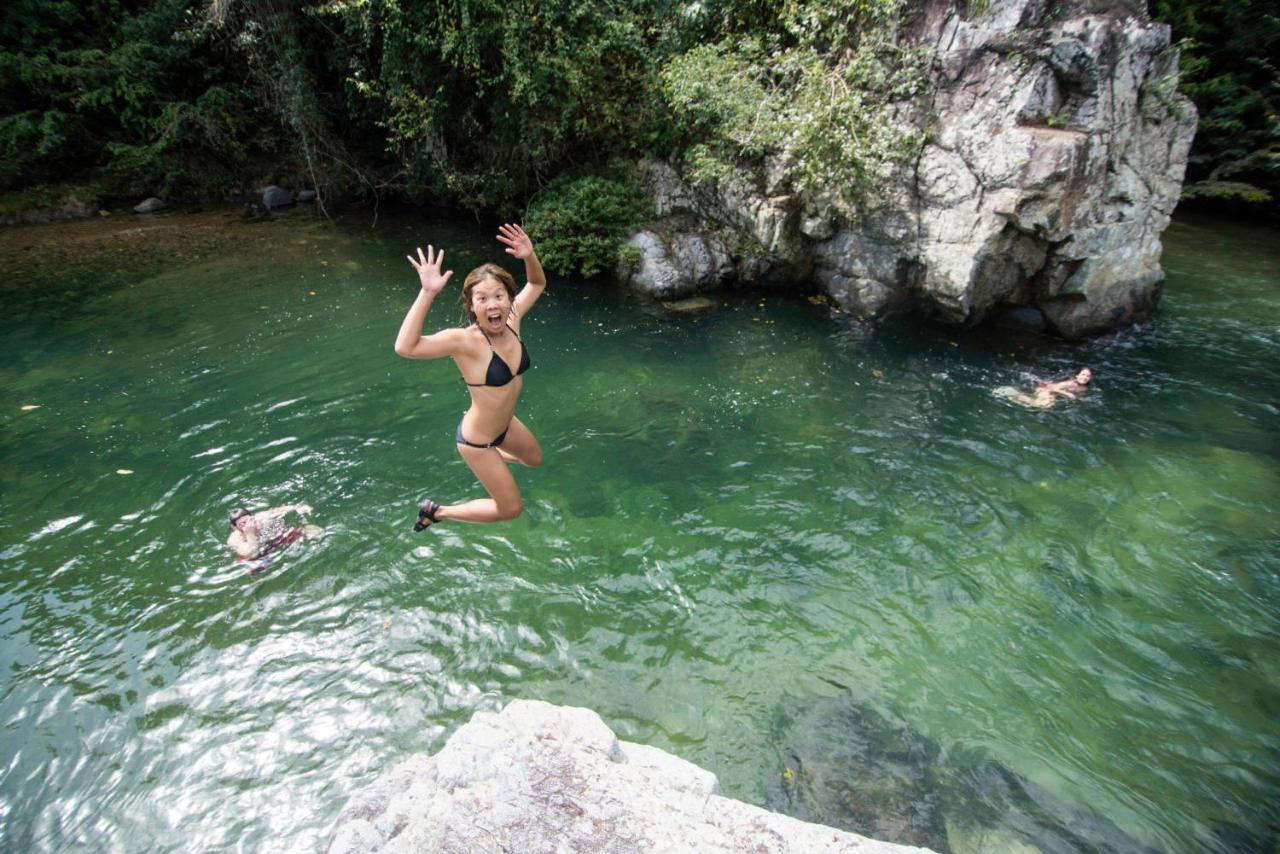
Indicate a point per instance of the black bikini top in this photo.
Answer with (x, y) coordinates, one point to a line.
(499, 373)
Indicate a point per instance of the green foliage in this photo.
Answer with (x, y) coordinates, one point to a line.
(1227, 191)
(977, 8)
(839, 25)
(1229, 69)
(47, 197)
(297, 54)
(139, 98)
(482, 101)
(581, 223)
(474, 102)
(815, 91)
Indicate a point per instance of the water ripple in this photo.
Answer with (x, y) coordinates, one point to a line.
(798, 512)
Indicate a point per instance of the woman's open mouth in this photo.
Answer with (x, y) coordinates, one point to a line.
(494, 318)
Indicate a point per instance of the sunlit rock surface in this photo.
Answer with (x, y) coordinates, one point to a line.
(1057, 147)
(543, 778)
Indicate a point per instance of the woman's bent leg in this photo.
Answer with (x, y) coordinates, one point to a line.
(521, 446)
(504, 500)
(1040, 399)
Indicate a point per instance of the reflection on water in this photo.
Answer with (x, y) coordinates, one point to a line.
(818, 560)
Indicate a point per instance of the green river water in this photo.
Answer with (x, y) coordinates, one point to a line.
(821, 561)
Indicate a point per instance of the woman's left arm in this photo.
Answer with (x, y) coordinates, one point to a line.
(519, 245)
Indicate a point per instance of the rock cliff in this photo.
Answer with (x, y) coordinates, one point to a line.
(1056, 147)
(543, 778)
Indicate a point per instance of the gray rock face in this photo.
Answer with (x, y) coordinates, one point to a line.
(543, 778)
(680, 263)
(1054, 160)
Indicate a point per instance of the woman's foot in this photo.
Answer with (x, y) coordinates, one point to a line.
(426, 516)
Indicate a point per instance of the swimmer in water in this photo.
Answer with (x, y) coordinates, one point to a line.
(491, 356)
(1047, 393)
(259, 535)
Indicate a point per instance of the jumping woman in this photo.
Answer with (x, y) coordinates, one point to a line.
(491, 357)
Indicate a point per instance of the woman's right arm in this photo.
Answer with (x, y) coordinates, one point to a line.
(410, 342)
(1064, 387)
(242, 547)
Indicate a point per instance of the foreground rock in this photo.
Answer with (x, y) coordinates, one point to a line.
(538, 777)
(1057, 144)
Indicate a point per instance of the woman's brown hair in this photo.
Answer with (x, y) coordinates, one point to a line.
(478, 275)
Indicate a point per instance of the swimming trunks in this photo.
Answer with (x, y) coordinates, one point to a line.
(499, 372)
(281, 541)
(495, 443)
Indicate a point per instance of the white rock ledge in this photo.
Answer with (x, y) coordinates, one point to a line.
(543, 778)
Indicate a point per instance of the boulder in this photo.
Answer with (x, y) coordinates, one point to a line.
(543, 778)
(678, 265)
(151, 205)
(274, 197)
(305, 196)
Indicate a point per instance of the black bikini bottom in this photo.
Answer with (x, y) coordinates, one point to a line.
(495, 443)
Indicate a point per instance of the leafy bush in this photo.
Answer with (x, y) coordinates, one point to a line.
(1229, 70)
(482, 103)
(815, 90)
(1227, 191)
(581, 223)
(142, 97)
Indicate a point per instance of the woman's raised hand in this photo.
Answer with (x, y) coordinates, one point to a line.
(428, 267)
(518, 243)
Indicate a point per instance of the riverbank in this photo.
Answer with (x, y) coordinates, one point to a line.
(125, 244)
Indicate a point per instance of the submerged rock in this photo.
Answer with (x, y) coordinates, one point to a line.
(690, 305)
(853, 769)
(991, 809)
(1056, 148)
(542, 778)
